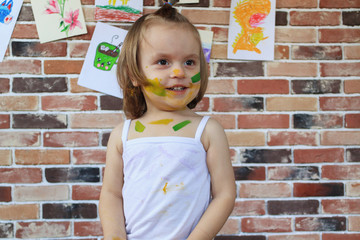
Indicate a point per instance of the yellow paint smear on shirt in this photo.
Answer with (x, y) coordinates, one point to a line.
(165, 188)
(162, 121)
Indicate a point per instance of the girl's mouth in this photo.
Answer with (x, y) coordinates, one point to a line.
(177, 89)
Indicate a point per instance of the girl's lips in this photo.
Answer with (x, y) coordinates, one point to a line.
(177, 89)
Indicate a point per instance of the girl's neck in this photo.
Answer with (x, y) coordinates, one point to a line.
(152, 114)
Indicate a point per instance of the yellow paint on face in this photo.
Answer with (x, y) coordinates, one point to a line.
(176, 71)
(155, 87)
(162, 121)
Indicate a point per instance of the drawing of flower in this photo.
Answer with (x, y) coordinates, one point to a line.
(72, 19)
(53, 7)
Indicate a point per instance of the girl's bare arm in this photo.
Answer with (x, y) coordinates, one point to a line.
(222, 183)
(111, 202)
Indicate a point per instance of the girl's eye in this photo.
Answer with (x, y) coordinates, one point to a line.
(189, 62)
(163, 62)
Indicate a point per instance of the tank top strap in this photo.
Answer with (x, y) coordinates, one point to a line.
(125, 131)
(201, 127)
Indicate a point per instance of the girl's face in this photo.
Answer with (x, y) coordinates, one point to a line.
(169, 58)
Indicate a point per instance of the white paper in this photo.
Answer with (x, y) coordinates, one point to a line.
(9, 12)
(118, 10)
(99, 68)
(206, 42)
(256, 30)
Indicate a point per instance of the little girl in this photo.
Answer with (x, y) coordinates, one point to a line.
(168, 171)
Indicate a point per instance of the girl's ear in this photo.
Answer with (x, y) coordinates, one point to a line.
(135, 83)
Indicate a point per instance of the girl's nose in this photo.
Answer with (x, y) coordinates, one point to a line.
(178, 73)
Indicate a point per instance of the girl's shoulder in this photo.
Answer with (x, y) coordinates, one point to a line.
(212, 130)
(115, 139)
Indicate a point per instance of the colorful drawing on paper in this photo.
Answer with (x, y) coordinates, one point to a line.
(99, 68)
(206, 42)
(58, 19)
(251, 33)
(106, 55)
(118, 10)
(9, 12)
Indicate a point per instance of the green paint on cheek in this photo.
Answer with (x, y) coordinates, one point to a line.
(196, 78)
(156, 88)
(181, 125)
(139, 127)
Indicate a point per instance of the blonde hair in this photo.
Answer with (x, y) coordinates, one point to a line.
(128, 71)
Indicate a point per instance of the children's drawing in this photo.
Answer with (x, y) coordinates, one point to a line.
(106, 55)
(5, 11)
(118, 10)
(57, 19)
(9, 12)
(99, 68)
(206, 42)
(252, 26)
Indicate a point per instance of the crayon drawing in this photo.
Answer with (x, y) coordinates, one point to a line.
(118, 10)
(9, 12)
(252, 30)
(206, 42)
(57, 19)
(99, 68)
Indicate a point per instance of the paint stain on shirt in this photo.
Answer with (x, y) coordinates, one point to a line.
(162, 121)
(165, 188)
(179, 126)
(139, 127)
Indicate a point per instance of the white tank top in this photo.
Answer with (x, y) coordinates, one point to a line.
(166, 185)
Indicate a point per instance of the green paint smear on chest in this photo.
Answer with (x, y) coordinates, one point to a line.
(181, 125)
(196, 78)
(139, 127)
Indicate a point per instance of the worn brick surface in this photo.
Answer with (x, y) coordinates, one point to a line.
(294, 207)
(265, 156)
(68, 211)
(43, 229)
(315, 86)
(318, 189)
(317, 121)
(293, 173)
(78, 174)
(37, 85)
(249, 173)
(320, 224)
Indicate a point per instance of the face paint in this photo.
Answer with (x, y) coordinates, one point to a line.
(196, 78)
(181, 125)
(162, 121)
(176, 71)
(155, 87)
(139, 127)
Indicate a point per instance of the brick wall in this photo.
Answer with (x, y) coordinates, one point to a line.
(293, 125)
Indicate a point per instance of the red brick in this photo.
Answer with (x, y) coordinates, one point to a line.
(75, 88)
(20, 175)
(231, 226)
(340, 236)
(292, 138)
(316, 52)
(4, 85)
(41, 193)
(353, 189)
(222, 86)
(282, 52)
(352, 52)
(339, 35)
(227, 121)
(352, 120)
(4, 121)
(203, 105)
(43, 229)
(69, 103)
(19, 139)
(218, 51)
(317, 18)
(37, 49)
(320, 224)
(354, 225)
(249, 173)
(295, 237)
(266, 225)
(87, 229)
(229, 104)
(19, 212)
(340, 138)
(19, 103)
(78, 49)
(291, 104)
(293, 173)
(340, 69)
(340, 103)
(5, 194)
(20, 66)
(43, 156)
(263, 121)
(62, 66)
(215, 17)
(296, 4)
(266, 86)
(95, 120)
(246, 138)
(341, 172)
(5, 157)
(71, 139)
(249, 208)
(222, 3)
(319, 155)
(341, 206)
(339, 4)
(318, 189)
(292, 69)
(89, 156)
(292, 35)
(352, 86)
(86, 192)
(220, 33)
(25, 31)
(264, 190)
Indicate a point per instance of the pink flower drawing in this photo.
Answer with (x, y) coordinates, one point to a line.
(72, 19)
(53, 7)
